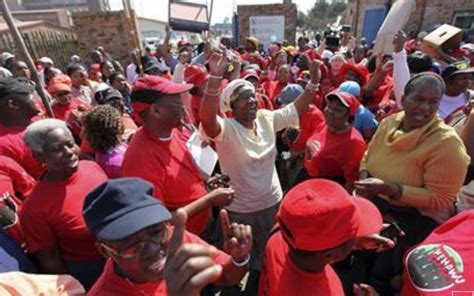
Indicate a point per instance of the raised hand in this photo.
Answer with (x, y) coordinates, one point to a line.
(237, 238)
(399, 41)
(189, 267)
(217, 64)
(315, 71)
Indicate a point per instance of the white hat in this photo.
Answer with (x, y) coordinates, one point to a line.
(5, 56)
(46, 60)
(327, 54)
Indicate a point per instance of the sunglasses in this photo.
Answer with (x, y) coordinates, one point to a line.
(135, 250)
(62, 94)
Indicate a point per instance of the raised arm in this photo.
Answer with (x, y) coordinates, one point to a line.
(303, 101)
(401, 72)
(166, 45)
(210, 100)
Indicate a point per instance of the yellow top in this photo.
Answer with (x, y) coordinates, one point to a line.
(430, 162)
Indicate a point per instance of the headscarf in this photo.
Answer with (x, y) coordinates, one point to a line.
(228, 95)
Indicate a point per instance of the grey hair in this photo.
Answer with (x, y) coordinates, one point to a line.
(37, 133)
(430, 78)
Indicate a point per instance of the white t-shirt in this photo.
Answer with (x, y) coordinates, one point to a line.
(132, 73)
(248, 158)
(450, 104)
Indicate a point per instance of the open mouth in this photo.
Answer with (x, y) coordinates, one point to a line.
(159, 264)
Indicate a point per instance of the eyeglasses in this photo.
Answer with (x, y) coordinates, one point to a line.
(133, 251)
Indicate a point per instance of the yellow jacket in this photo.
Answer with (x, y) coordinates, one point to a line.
(429, 162)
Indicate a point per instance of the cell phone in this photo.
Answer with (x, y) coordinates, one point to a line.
(392, 232)
(219, 181)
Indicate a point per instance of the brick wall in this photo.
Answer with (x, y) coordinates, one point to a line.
(288, 10)
(110, 29)
(426, 13)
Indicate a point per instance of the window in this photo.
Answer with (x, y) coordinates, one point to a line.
(464, 19)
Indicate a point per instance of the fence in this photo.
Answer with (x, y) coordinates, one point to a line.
(58, 45)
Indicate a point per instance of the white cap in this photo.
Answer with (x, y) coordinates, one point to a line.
(5, 56)
(327, 54)
(46, 60)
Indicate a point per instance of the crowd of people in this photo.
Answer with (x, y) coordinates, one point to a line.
(340, 171)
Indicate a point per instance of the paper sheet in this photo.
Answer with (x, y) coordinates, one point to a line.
(204, 157)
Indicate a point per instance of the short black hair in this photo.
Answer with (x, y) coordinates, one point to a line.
(424, 78)
(114, 76)
(73, 68)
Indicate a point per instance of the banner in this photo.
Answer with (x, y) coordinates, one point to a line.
(267, 29)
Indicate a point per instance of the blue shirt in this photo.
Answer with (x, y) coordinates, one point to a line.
(12, 257)
(364, 119)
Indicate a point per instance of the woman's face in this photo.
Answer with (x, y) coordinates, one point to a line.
(336, 64)
(79, 78)
(63, 97)
(284, 74)
(421, 105)
(336, 114)
(245, 107)
(60, 152)
(108, 69)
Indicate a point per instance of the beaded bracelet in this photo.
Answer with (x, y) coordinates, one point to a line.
(243, 263)
(212, 92)
(312, 87)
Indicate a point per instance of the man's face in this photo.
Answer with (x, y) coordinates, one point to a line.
(20, 69)
(79, 78)
(120, 83)
(141, 257)
(284, 74)
(171, 110)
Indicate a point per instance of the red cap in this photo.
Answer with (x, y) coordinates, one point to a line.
(195, 74)
(94, 68)
(148, 89)
(61, 78)
(320, 215)
(159, 84)
(57, 87)
(361, 70)
(346, 99)
(249, 73)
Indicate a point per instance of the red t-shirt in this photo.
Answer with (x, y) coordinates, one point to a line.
(13, 146)
(111, 284)
(443, 264)
(15, 186)
(263, 102)
(312, 122)
(52, 215)
(62, 111)
(169, 166)
(280, 276)
(334, 155)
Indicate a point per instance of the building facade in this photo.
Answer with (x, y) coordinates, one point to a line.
(73, 5)
(366, 15)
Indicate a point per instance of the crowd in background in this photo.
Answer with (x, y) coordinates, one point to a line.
(340, 171)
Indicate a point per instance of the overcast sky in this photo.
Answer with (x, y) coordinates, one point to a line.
(158, 9)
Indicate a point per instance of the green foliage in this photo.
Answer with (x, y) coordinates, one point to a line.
(322, 13)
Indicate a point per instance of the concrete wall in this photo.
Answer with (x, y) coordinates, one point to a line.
(59, 17)
(288, 10)
(110, 29)
(151, 28)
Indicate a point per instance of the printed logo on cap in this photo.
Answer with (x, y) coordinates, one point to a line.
(435, 267)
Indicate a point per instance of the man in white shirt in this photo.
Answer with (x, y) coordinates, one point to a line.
(458, 77)
(132, 74)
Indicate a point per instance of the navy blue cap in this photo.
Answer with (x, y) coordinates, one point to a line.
(121, 207)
